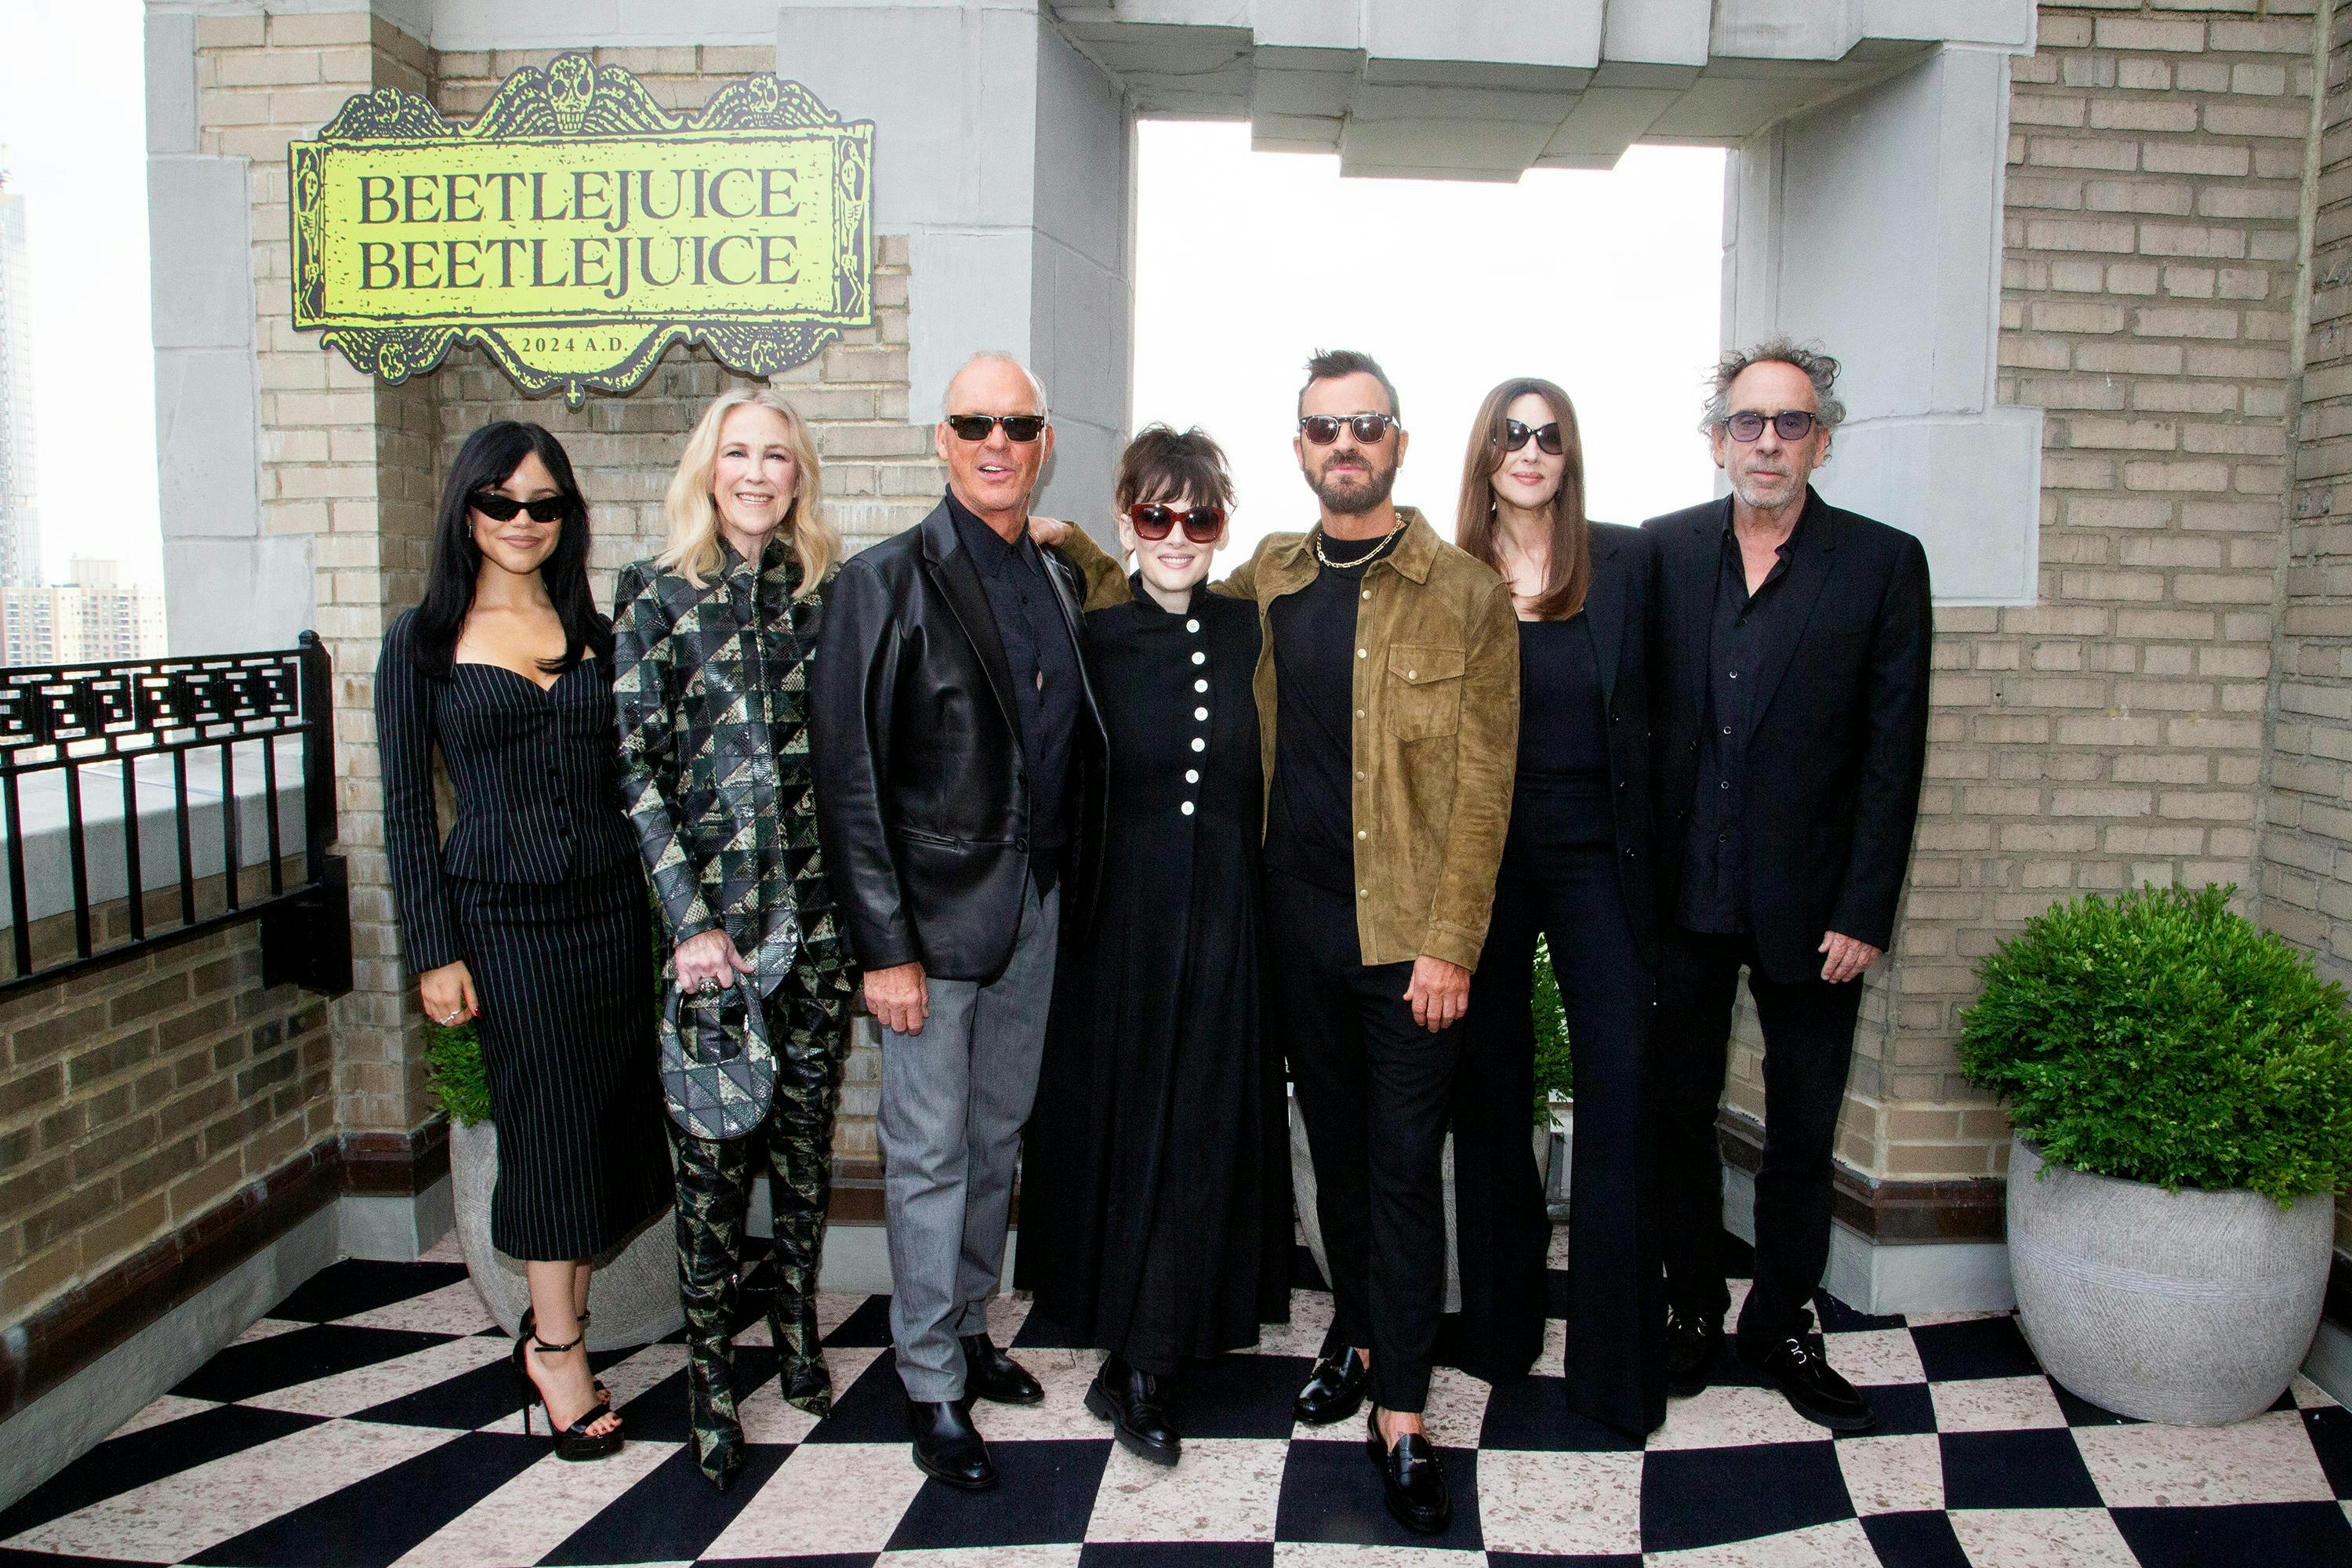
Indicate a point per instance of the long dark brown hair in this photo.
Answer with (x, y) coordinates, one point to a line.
(1570, 574)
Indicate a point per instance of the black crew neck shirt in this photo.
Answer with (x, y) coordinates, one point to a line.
(1563, 723)
(1311, 817)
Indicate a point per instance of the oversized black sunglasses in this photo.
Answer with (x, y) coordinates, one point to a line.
(1790, 424)
(1515, 435)
(976, 427)
(1151, 520)
(502, 508)
(1371, 429)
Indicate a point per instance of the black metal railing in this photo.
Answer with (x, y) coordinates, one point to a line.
(163, 728)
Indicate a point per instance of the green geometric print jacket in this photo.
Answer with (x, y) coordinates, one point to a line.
(713, 710)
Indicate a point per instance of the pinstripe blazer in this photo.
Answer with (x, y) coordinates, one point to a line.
(535, 773)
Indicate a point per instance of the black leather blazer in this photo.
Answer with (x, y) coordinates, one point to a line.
(921, 788)
(1839, 731)
(536, 776)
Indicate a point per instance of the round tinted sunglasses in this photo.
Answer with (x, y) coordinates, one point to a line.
(502, 508)
(1151, 520)
(1371, 429)
(1515, 435)
(1790, 424)
(976, 427)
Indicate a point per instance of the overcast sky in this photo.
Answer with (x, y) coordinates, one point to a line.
(1607, 283)
(73, 117)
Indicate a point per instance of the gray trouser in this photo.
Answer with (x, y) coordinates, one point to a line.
(953, 1101)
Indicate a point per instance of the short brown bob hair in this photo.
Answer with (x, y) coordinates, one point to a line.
(1160, 464)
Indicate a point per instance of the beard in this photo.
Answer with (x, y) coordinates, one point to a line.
(1352, 495)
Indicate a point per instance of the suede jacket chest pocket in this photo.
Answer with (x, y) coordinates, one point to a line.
(1421, 697)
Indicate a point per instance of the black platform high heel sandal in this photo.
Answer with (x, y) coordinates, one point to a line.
(528, 1328)
(575, 1441)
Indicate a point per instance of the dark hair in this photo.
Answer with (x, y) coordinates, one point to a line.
(1330, 365)
(1159, 462)
(1570, 572)
(489, 457)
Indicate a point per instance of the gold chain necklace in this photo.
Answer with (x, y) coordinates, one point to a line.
(1316, 540)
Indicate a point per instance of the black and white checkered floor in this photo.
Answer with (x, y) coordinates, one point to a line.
(369, 1421)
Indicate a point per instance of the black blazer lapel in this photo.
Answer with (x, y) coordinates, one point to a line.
(1809, 572)
(1692, 577)
(959, 582)
(1069, 589)
(1604, 613)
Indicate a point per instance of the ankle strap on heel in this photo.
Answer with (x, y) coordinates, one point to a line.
(543, 1348)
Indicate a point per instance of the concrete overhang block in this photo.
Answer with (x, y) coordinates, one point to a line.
(1652, 77)
(1307, 23)
(1603, 123)
(1283, 92)
(1295, 132)
(1786, 29)
(1185, 13)
(1375, 104)
(1731, 108)
(2005, 23)
(1443, 149)
(1456, 75)
(1558, 32)
(1668, 32)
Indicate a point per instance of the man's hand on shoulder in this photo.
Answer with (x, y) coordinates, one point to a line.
(1048, 532)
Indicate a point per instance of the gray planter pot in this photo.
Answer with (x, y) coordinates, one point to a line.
(2188, 1307)
(632, 1301)
(1302, 1192)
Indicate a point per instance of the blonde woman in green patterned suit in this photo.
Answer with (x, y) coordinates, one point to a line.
(710, 637)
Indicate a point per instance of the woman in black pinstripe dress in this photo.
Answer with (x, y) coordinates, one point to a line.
(532, 916)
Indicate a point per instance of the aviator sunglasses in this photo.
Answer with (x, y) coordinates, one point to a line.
(502, 508)
(976, 427)
(1515, 435)
(1790, 424)
(1152, 521)
(1323, 429)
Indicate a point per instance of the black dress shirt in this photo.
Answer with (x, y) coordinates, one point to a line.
(1045, 674)
(1714, 893)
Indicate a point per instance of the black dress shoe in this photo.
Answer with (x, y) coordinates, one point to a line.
(1692, 1345)
(1794, 1364)
(1411, 1480)
(948, 1447)
(1336, 1391)
(989, 1373)
(1136, 1405)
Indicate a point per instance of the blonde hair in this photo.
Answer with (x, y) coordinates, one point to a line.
(693, 550)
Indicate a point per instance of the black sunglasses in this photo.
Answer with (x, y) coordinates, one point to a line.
(1790, 424)
(1152, 521)
(502, 508)
(1371, 429)
(1515, 435)
(976, 427)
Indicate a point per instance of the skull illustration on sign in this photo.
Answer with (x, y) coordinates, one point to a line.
(570, 79)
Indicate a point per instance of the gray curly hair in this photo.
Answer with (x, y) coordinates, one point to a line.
(1828, 409)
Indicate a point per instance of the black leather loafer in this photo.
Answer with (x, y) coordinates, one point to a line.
(1135, 1404)
(1794, 1364)
(989, 1373)
(1692, 1345)
(948, 1447)
(1336, 1391)
(1411, 1480)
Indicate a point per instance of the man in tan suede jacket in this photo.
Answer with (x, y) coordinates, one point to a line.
(1388, 699)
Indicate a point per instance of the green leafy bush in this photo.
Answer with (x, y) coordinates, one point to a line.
(1552, 1075)
(2160, 1037)
(453, 1069)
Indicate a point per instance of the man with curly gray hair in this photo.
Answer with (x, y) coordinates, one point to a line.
(1790, 665)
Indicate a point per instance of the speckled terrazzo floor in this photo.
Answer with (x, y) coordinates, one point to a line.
(369, 1421)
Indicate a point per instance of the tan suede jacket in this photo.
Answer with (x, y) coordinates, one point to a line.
(1436, 732)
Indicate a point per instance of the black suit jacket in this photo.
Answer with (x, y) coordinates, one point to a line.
(1617, 610)
(922, 792)
(1839, 728)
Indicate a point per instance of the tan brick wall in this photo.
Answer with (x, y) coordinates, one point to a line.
(2114, 731)
(2307, 840)
(142, 1093)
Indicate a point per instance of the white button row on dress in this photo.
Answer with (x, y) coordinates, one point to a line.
(1199, 743)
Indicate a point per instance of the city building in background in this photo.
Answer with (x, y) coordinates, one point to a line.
(20, 527)
(99, 615)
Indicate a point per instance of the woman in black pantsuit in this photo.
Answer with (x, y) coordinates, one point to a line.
(532, 917)
(1576, 871)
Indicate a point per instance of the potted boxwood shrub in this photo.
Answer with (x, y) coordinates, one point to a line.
(2180, 1084)
(634, 1299)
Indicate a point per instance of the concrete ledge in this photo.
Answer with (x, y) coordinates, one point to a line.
(63, 1424)
(396, 1227)
(2329, 1365)
(1893, 1276)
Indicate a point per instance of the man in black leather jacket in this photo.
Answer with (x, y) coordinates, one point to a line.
(953, 736)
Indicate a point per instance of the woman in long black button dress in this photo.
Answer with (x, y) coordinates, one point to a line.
(1155, 1209)
(532, 917)
(1576, 869)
